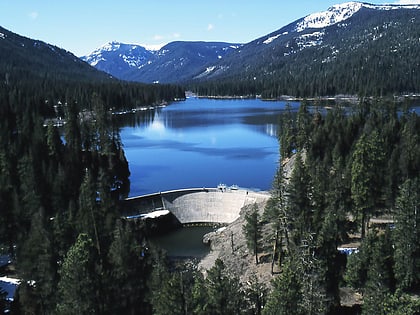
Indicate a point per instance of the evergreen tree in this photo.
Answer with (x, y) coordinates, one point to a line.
(36, 266)
(252, 231)
(275, 212)
(298, 200)
(199, 296)
(380, 278)
(87, 215)
(173, 296)
(397, 304)
(303, 125)
(256, 293)
(76, 287)
(129, 268)
(365, 172)
(287, 292)
(409, 161)
(222, 293)
(407, 235)
(287, 133)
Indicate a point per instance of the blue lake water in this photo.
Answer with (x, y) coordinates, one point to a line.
(201, 143)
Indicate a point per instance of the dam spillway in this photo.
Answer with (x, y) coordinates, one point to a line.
(192, 205)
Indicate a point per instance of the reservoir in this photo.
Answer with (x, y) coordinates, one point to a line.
(201, 143)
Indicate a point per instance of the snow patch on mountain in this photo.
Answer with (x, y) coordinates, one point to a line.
(392, 6)
(271, 39)
(341, 12)
(151, 47)
(335, 14)
(309, 40)
(212, 70)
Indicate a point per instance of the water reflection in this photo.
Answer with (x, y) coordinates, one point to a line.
(202, 142)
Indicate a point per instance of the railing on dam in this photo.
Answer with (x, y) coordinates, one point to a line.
(195, 204)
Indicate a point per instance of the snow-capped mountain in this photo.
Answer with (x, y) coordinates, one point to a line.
(334, 15)
(171, 63)
(117, 58)
(344, 40)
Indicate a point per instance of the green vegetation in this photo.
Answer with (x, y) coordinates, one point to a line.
(351, 164)
(61, 222)
(60, 192)
(252, 231)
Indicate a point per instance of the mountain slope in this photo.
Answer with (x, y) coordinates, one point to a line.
(350, 48)
(175, 62)
(25, 58)
(37, 75)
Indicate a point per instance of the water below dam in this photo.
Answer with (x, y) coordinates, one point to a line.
(185, 242)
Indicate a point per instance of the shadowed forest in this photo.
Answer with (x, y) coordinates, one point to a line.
(61, 224)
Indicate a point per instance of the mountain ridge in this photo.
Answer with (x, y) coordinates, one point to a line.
(172, 62)
(321, 37)
(372, 51)
(351, 48)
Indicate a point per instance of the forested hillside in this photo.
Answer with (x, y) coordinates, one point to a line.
(75, 255)
(42, 74)
(373, 52)
(59, 197)
(352, 164)
(25, 59)
(60, 188)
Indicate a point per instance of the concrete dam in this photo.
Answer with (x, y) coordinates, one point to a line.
(193, 205)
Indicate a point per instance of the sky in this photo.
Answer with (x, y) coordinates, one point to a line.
(81, 26)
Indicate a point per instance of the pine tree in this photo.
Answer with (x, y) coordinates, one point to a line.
(37, 267)
(303, 124)
(76, 287)
(407, 235)
(87, 213)
(287, 136)
(129, 264)
(298, 200)
(199, 296)
(172, 296)
(366, 169)
(286, 296)
(275, 213)
(256, 293)
(252, 231)
(380, 278)
(218, 294)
